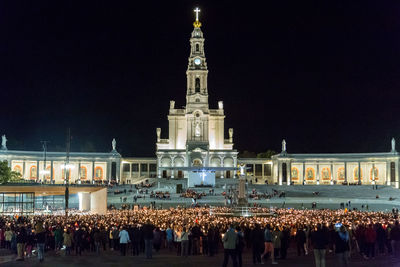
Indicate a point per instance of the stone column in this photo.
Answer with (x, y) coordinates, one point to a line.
(93, 171)
(172, 165)
(304, 173)
(222, 165)
(373, 173)
(280, 171)
(387, 181)
(23, 169)
(235, 166)
(37, 171)
(118, 171)
(289, 172)
(130, 170)
(51, 173)
(332, 174)
(158, 166)
(108, 166)
(139, 169)
(345, 172)
(79, 171)
(359, 173)
(396, 183)
(318, 175)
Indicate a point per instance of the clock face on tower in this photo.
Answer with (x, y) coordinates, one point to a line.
(197, 61)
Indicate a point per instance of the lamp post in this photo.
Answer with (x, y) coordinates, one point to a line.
(66, 171)
(44, 171)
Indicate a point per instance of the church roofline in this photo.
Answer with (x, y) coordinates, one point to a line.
(337, 155)
(50, 154)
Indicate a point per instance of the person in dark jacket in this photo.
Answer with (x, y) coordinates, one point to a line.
(79, 240)
(21, 240)
(136, 234)
(148, 236)
(285, 241)
(342, 246)
(40, 236)
(196, 233)
(319, 239)
(257, 241)
(240, 244)
(395, 237)
(300, 241)
(210, 240)
(380, 238)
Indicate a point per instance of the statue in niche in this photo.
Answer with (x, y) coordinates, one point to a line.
(197, 130)
(295, 173)
(325, 174)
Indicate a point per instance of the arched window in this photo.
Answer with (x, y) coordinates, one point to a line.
(98, 173)
(375, 175)
(197, 85)
(295, 173)
(33, 172)
(326, 174)
(341, 174)
(197, 100)
(83, 172)
(310, 174)
(18, 169)
(197, 48)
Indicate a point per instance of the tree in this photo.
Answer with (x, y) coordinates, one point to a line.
(247, 154)
(266, 155)
(7, 175)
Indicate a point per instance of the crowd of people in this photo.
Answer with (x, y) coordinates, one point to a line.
(189, 193)
(194, 231)
(254, 194)
(160, 195)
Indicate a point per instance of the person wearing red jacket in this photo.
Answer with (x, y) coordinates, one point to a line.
(370, 239)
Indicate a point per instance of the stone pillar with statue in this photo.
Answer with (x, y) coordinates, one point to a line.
(242, 199)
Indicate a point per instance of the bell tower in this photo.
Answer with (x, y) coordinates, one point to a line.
(196, 74)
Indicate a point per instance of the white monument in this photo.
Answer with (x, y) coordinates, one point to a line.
(393, 145)
(114, 144)
(3, 142)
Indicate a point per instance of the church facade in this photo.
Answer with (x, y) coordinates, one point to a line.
(195, 132)
(196, 138)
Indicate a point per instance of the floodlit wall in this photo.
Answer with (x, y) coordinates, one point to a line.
(98, 202)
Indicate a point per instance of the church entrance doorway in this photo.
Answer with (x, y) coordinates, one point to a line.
(228, 174)
(180, 174)
(284, 173)
(164, 174)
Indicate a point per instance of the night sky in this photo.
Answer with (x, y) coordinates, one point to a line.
(324, 76)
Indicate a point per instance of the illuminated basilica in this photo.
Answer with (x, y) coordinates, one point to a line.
(195, 137)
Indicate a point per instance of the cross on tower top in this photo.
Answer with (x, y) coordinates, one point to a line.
(197, 11)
